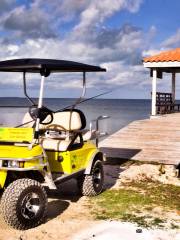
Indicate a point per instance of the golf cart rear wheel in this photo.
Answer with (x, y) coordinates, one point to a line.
(92, 184)
(24, 204)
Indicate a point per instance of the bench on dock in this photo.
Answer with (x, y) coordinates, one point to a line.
(165, 103)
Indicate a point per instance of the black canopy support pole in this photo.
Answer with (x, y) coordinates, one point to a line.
(84, 85)
(79, 99)
(25, 91)
(83, 92)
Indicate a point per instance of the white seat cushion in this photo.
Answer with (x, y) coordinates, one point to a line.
(55, 144)
(67, 119)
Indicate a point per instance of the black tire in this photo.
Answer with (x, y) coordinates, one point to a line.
(24, 204)
(92, 184)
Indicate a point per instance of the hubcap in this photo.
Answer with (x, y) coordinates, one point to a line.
(30, 206)
(97, 177)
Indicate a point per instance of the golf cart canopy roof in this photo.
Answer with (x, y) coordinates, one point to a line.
(36, 65)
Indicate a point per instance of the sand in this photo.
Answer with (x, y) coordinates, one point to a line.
(69, 218)
(116, 230)
(116, 175)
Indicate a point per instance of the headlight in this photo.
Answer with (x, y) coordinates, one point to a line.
(14, 164)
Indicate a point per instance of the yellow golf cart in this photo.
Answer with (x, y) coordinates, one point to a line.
(48, 148)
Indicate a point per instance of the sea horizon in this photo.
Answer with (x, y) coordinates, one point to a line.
(120, 111)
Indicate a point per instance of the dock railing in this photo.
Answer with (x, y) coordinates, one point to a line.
(165, 103)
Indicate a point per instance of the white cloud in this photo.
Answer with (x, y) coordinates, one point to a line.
(66, 10)
(169, 43)
(119, 49)
(5, 5)
(98, 11)
(28, 23)
(38, 31)
(150, 52)
(119, 74)
(173, 41)
(12, 49)
(121, 56)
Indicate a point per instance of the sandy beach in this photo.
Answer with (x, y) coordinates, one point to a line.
(69, 214)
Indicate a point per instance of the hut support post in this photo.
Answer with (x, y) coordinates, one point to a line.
(173, 86)
(154, 86)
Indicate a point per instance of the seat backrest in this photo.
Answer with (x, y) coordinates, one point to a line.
(69, 120)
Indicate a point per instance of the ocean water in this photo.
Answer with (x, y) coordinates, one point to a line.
(120, 111)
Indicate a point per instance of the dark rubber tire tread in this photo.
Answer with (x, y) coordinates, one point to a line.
(9, 202)
(86, 185)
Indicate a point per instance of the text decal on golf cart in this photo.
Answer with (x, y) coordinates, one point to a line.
(16, 134)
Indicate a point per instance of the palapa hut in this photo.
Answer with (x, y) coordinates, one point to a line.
(164, 62)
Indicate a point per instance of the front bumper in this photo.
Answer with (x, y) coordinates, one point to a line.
(24, 164)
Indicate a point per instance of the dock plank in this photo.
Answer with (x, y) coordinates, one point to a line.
(156, 140)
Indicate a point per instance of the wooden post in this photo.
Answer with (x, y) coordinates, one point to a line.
(154, 86)
(173, 90)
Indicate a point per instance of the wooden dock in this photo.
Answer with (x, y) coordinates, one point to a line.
(151, 140)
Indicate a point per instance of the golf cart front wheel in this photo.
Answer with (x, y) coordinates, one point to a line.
(24, 204)
(92, 184)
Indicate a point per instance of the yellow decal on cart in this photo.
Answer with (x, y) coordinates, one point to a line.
(16, 134)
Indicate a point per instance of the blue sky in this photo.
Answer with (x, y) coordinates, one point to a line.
(163, 14)
(115, 34)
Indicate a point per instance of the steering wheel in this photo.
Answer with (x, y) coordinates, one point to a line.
(41, 113)
(56, 127)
